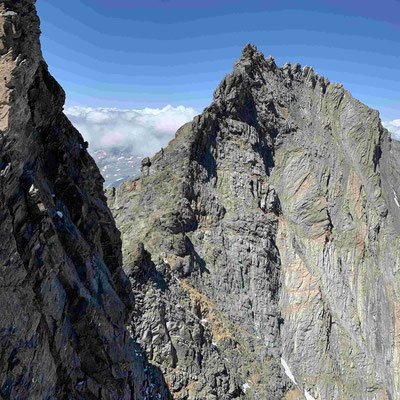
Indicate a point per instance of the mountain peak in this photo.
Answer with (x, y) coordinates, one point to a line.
(249, 50)
(284, 195)
(251, 59)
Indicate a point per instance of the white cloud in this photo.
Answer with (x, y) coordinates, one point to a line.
(146, 130)
(393, 127)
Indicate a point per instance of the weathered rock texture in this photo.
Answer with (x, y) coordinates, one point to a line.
(63, 295)
(269, 229)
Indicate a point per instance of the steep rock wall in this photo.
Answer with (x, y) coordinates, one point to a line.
(265, 237)
(64, 297)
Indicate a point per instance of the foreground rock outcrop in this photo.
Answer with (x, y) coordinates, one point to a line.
(262, 245)
(64, 298)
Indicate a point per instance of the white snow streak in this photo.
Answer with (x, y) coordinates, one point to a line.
(308, 395)
(396, 199)
(291, 377)
(288, 372)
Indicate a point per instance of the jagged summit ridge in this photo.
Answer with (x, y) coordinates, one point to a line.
(252, 57)
(268, 230)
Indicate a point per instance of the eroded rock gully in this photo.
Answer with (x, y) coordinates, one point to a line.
(268, 229)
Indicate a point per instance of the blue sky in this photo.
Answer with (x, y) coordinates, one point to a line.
(136, 54)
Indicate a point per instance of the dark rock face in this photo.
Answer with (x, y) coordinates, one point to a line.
(64, 297)
(262, 244)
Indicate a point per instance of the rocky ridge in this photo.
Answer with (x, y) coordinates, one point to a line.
(262, 243)
(64, 296)
(260, 248)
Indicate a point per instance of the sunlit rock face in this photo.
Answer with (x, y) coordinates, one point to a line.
(64, 298)
(260, 249)
(262, 245)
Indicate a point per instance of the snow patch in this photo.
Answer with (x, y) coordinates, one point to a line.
(396, 199)
(308, 395)
(33, 190)
(288, 372)
(245, 387)
(60, 214)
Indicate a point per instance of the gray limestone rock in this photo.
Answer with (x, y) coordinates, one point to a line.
(269, 233)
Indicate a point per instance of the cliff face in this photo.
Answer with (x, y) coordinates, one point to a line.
(64, 297)
(262, 244)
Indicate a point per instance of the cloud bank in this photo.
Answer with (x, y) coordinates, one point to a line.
(145, 131)
(393, 127)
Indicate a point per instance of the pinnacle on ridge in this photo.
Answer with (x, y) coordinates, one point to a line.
(249, 48)
(250, 51)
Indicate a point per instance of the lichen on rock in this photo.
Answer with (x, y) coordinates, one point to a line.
(271, 230)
